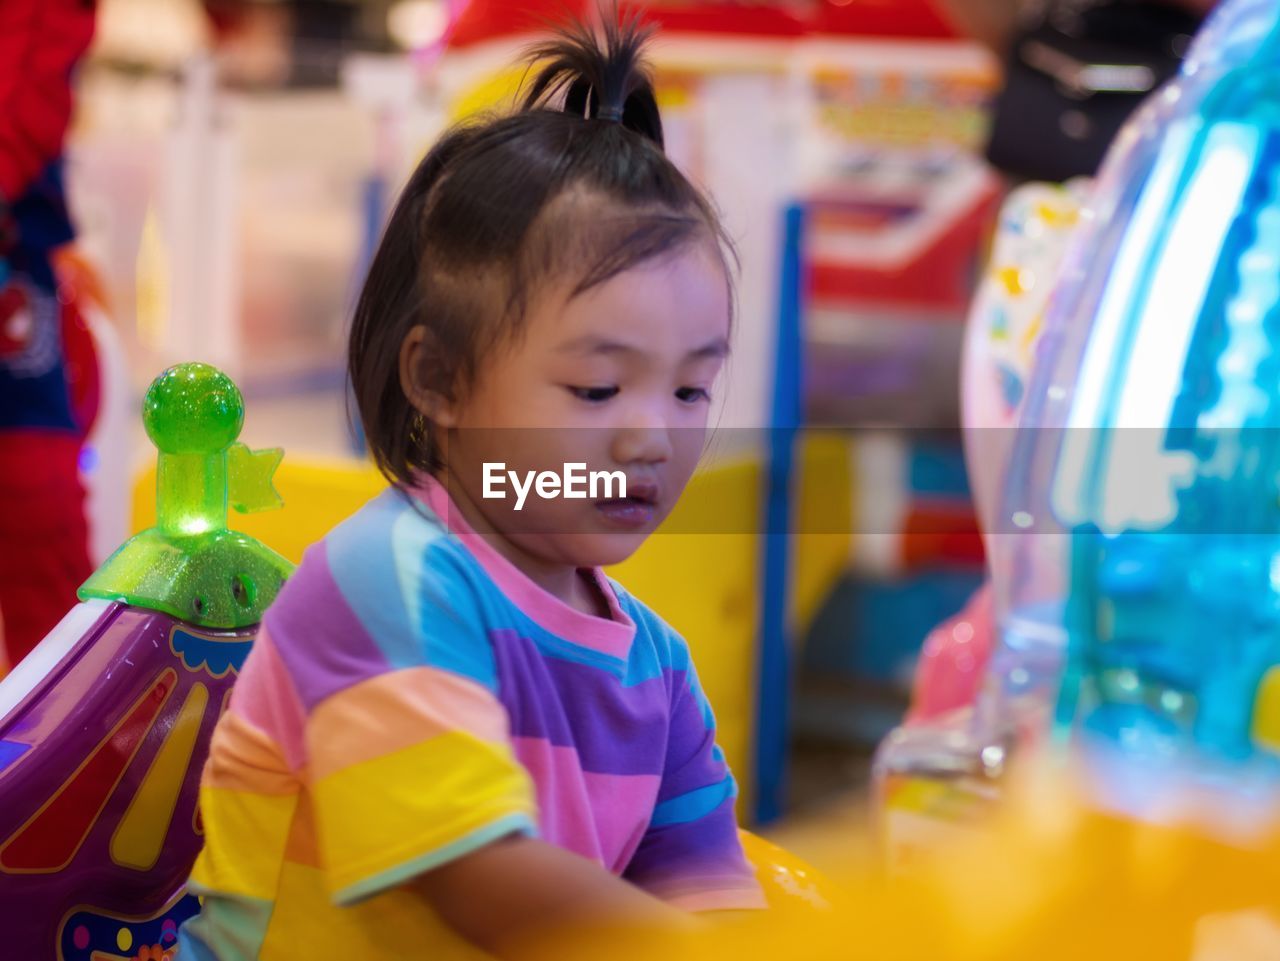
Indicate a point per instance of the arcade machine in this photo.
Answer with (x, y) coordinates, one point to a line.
(1136, 604)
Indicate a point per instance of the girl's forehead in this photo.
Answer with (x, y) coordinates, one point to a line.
(678, 299)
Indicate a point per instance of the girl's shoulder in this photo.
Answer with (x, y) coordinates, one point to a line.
(651, 629)
(388, 584)
(660, 650)
(388, 545)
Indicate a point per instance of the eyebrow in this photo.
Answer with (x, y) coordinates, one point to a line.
(592, 344)
(713, 351)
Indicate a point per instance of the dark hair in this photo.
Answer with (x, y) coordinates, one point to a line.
(574, 187)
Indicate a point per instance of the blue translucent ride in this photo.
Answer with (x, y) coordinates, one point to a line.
(1136, 560)
(1150, 457)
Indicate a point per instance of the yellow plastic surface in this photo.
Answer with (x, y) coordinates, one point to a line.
(496, 92)
(787, 880)
(823, 522)
(1266, 712)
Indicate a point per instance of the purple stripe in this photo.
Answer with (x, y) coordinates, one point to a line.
(615, 729)
(318, 637)
(691, 763)
(708, 847)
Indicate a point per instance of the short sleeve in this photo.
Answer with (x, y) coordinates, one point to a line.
(691, 855)
(409, 756)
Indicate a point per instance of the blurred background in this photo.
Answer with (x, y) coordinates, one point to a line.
(229, 168)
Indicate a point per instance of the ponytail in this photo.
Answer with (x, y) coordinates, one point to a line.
(607, 82)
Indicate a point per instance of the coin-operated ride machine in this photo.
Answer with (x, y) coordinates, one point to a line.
(105, 726)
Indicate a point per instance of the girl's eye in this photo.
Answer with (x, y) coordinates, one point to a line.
(593, 395)
(691, 395)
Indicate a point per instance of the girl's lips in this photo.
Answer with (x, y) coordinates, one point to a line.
(632, 512)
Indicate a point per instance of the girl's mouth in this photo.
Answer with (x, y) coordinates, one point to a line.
(634, 511)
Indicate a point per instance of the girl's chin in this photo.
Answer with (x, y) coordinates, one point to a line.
(599, 550)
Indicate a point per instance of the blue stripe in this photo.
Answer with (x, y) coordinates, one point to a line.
(505, 615)
(658, 649)
(446, 602)
(363, 564)
(191, 949)
(559, 649)
(448, 619)
(228, 926)
(398, 571)
(693, 805)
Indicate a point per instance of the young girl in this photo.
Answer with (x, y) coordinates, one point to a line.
(454, 731)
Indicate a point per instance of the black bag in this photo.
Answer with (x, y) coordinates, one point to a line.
(1074, 74)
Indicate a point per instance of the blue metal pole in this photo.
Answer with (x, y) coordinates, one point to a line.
(374, 205)
(773, 710)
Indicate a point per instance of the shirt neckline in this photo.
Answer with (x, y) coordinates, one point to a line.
(611, 636)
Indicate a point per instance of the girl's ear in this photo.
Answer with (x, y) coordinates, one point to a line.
(421, 365)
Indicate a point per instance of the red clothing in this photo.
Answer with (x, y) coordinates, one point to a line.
(44, 554)
(40, 42)
(43, 534)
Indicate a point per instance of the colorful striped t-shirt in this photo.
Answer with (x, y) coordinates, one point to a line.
(412, 697)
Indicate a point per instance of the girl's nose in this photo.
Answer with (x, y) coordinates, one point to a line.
(644, 440)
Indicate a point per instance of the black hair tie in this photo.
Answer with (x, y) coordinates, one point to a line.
(612, 114)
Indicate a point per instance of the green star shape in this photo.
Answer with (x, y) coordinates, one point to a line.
(249, 476)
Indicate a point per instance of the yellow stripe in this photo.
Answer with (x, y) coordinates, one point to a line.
(379, 814)
(245, 837)
(1266, 712)
(139, 838)
(397, 710)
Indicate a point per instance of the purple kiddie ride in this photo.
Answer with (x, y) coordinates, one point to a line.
(105, 727)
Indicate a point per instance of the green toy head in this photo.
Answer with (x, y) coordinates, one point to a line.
(193, 409)
(190, 565)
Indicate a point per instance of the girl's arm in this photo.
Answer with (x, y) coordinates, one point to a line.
(519, 898)
(691, 853)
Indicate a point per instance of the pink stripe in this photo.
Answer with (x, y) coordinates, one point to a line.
(264, 696)
(612, 637)
(598, 816)
(623, 804)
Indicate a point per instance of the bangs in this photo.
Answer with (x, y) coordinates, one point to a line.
(583, 239)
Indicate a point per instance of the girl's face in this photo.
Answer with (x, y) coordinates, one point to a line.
(618, 379)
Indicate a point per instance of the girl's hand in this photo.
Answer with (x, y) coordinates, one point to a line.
(519, 899)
